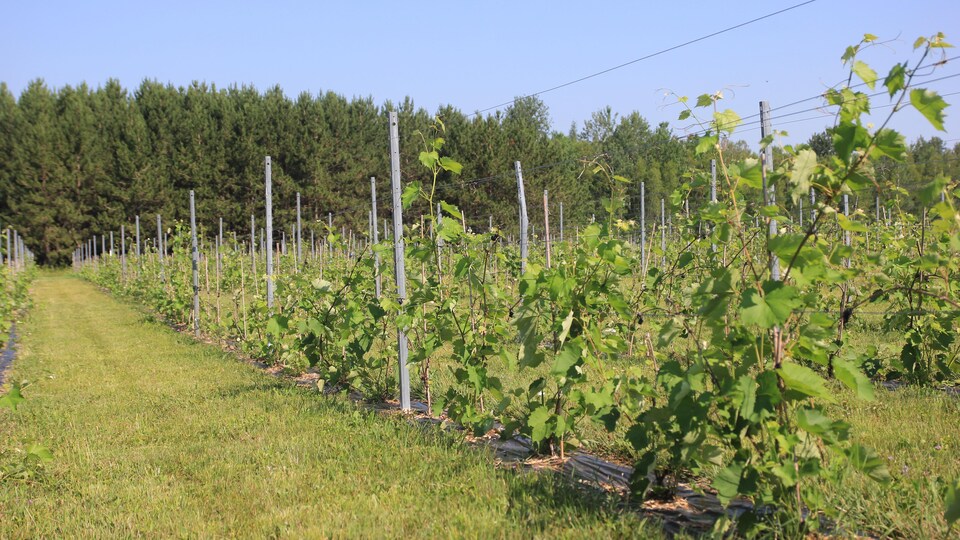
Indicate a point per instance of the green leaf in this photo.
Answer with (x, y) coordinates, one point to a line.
(429, 159)
(803, 167)
(804, 380)
(814, 421)
(537, 422)
(727, 483)
(866, 73)
(277, 324)
(706, 144)
(40, 452)
(930, 105)
(890, 143)
(451, 210)
(749, 172)
(896, 79)
(568, 357)
(565, 328)
(748, 386)
(726, 120)
(704, 100)
(450, 164)
(854, 379)
(868, 462)
(684, 114)
(771, 309)
(848, 225)
(12, 398)
(930, 193)
(951, 503)
(410, 194)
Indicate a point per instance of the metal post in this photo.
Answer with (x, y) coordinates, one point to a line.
(123, 254)
(643, 228)
(561, 222)
(376, 236)
(253, 247)
(398, 258)
(299, 232)
(769, 195)
(138, 238)
(713, 192)
(663, 233)
(220, 245)
(846, 233)
(546, 225)
(269, 238)
(195, 263)
(813, 206)
(160, 245)
(522, 200)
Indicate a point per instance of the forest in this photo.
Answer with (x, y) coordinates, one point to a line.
(79, 160)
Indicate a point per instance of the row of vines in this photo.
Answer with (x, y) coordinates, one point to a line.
(717, 361)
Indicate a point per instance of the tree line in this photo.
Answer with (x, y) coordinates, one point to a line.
(78, 161)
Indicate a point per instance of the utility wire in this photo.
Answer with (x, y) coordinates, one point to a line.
(857, 98)
(647, 57)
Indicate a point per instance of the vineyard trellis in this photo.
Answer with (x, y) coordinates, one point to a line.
(716, 359)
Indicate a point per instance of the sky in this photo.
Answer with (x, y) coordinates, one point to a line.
(476, 55)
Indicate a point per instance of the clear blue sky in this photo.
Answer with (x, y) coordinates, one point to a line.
(474, 55)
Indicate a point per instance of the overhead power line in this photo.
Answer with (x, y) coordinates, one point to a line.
(649, 56)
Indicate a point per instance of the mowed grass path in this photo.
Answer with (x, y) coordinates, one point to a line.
(156, 435)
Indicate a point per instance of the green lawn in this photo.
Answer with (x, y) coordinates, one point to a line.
(155, 435)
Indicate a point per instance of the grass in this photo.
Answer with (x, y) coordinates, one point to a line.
(917, 432)
(156, 435)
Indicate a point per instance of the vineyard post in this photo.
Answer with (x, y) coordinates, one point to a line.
(561, 222)
(878, 207)
(800, 212)
(160, 246)
(490, 223)
(138, 238)
(219, 254)
(846, 233)
(398, 259)
(253, 247)
(103, 244)
(813, 206)
(330, 227)
(523, 217)
(195, 265)
(111, 244)
(546, 225)
(643, 228)
(663, 233)
(123, 254)
(299, 232)
(439, 222)
(713, 192)
(269, 236)
(768, 192)
(9, 254)
(376, 236)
